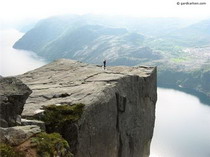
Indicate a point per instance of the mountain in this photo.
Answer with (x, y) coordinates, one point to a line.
(43, 32)
(194, 35)
(57, 38)
(180, 48)
(147, 26)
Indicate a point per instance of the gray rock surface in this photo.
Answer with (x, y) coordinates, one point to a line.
(39, 123)
(18, 134)
(13, 94)
(119, 115)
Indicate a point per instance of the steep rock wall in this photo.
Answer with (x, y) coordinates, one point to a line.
(121, 123)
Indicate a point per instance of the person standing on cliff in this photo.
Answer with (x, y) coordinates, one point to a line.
(104, 64)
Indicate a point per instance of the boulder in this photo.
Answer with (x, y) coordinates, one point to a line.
(14, 136)
(13, 94)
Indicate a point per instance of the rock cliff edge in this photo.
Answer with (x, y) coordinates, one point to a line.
(119, 113)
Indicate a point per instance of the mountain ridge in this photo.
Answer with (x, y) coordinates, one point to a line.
(91, 40)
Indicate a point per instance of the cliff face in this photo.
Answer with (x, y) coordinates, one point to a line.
(119, 114)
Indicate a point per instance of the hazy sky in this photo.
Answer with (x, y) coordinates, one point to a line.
(19, 9)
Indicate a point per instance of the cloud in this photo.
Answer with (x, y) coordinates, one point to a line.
(12, 61)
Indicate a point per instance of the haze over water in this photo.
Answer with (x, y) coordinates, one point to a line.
(12, 61)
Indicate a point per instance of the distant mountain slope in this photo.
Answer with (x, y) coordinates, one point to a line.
(147, 26)
(179, 49)
(65, 31)
(45, 31)
(194, 35)
(69, 38)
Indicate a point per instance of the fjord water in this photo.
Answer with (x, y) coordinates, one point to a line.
(182, 121)
(12, 61)
(182, 127)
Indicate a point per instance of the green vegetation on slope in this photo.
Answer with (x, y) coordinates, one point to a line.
(8, 151)
(56, 117)
(49, 145)
(63, 120)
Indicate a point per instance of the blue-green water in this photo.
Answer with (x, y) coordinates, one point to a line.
(182, 127)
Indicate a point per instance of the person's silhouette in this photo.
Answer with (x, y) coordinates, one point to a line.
(104, 64)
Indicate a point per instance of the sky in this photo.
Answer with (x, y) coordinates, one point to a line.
(11, 10)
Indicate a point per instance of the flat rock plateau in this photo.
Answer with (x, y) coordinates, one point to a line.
(119, 113)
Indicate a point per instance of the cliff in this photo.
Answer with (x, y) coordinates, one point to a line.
(119, 112)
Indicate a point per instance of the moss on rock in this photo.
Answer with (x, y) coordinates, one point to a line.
(55, 117)
(8, 151)
(50, 145)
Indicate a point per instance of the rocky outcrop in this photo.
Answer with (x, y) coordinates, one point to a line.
(13, 94)
(119, 113)
(14, 136)
(27, 140)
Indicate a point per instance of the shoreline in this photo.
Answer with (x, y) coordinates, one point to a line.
(203, 98)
